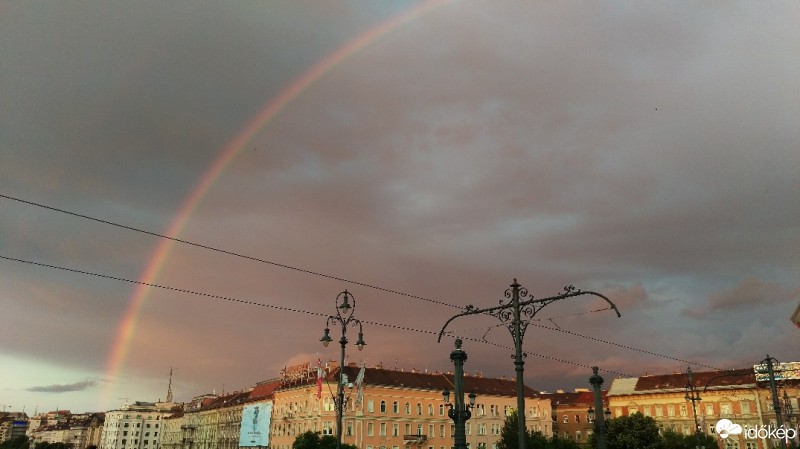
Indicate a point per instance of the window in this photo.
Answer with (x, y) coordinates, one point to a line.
(419, 408)
(647, 410)
(566, 419)
(383, 406)
(441, 409)
(395, 407)
(383, 429)
(419, 429)
(725, 409)
(430, 430)
(684, 410)
(709, 409)
(577, 418)
(745, 407)
(430, 409)
(578, 436)
(370, 406)
(468, 427)
(370, 428)
(493, 410)
(670, 410)
(481, 429)
(408, 429)
(327, 428)
(441, 431)
(408, 408)
(659, 410)
(395, 429)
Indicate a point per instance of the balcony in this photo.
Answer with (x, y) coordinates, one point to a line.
(414, 439)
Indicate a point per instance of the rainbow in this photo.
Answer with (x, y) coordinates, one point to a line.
(127, 326)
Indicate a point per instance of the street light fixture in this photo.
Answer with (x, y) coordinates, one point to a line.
(517, 314)
(458, 411)
(344, 317)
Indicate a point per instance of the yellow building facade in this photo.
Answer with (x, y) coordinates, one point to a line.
(398, 409)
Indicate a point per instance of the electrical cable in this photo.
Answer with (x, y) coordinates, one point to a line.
(230, 253)
(306, 271)
(254, 303)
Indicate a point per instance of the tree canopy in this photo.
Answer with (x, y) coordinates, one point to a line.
(313, 440)
(509, 438)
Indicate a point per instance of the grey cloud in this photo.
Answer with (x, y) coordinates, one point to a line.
(749, 294)
(64, 388)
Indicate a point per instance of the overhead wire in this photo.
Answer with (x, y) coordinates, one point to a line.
(259, 304)
(227, 252)
(301, 270)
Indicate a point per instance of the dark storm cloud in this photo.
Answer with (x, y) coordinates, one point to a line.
(64, 388)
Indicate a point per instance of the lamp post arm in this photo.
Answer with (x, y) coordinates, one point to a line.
(470, 310)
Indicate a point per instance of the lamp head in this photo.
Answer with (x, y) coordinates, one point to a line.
(326, 337)
(446, 396)
(472, 397)
(360, 343)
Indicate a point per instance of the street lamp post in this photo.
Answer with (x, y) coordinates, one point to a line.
(599, 417)
(517, 314)
(458, 411)
(694, 396)
(344, 317)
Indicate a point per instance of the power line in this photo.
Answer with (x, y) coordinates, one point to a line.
(301, 270)
(285, 309)
(230, 253)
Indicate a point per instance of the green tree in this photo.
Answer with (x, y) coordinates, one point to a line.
(635, 431)
(533, 440)
(313, 440)
(674, 440)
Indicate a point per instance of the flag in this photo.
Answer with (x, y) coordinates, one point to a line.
(360, 384)
(319, 378)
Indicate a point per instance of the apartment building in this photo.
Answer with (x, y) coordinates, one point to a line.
(570, 412)
(391, 409)
(735, 395)
(135, 426)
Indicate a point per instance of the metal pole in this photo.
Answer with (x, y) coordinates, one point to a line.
(691, 395)
(458, 356)
(599, 418)
(513, 318)
(775, 401)
(339, 403)
(519, 363)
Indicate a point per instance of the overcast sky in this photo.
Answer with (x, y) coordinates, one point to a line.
(648, 151)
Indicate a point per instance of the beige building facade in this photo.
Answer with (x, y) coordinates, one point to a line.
(398, 409)
(733, 395)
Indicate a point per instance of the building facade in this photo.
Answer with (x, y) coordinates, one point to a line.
(13, 425)
(135, 426)
(570, 412)
(394, 409)
(734, 395)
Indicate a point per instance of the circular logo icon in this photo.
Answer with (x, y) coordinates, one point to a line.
(726, 428)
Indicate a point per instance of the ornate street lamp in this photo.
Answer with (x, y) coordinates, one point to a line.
(598, 419)
(458, 411)
(344, 317)
(694, 396)
(516, 314)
